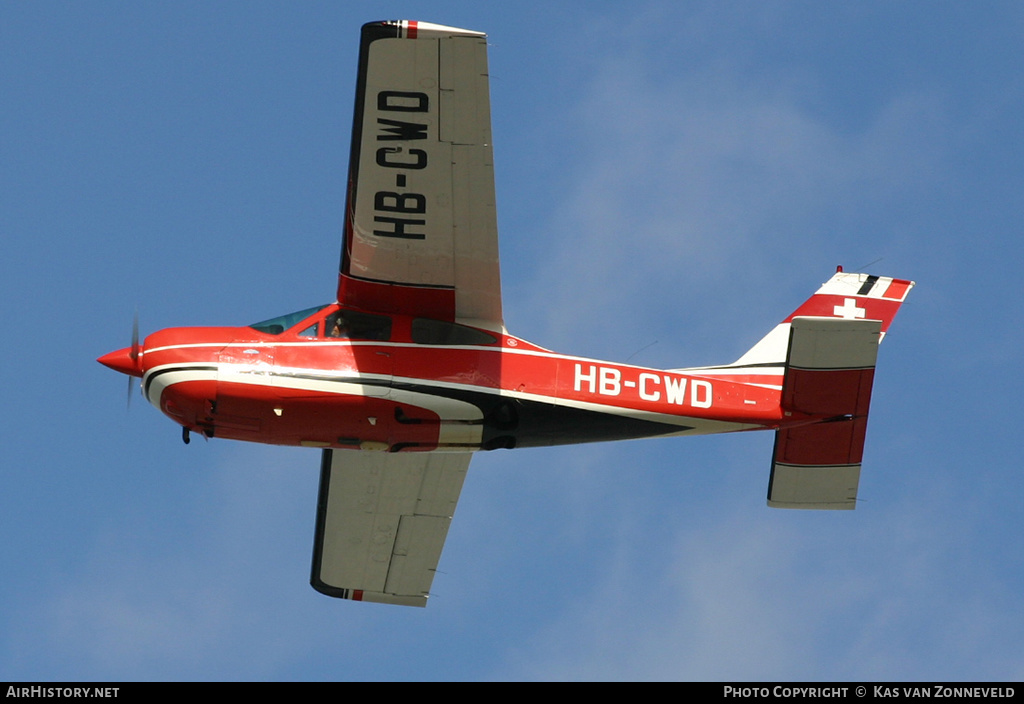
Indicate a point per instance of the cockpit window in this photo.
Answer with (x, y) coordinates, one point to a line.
(357, 326)
(438, 332)
(276, 326)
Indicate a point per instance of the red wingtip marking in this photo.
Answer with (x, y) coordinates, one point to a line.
(413, 28)
(357, 595)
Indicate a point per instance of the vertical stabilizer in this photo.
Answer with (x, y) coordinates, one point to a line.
(825, 352)
(844, 296)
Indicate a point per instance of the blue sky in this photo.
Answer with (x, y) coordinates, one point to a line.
(673, 179)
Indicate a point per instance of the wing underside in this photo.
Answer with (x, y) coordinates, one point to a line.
(382, 519)
(421, 229)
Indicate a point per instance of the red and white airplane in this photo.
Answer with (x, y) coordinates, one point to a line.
(412, 369)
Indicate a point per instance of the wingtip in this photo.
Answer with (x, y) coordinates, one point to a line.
(415, 29)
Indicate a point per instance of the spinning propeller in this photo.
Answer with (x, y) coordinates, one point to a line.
(126, 360)
(134, 353)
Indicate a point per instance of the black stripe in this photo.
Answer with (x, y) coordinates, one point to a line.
(733, 367)
(865, 289)
(170, 370)
(530, 423)
(321, 522)
(526, 423)
(388, 29)
(775, 453)
(399, 283)
(371, 32)
(385, 383)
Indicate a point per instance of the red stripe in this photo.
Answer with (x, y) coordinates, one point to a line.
(828, 392)
(823, 443)
(824, 305)
(897, 290)
(412, 30)
(397, 298)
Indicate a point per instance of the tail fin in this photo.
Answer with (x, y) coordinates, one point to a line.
(846, 296)
(829, 346)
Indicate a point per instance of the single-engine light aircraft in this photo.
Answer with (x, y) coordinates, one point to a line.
(411, 370)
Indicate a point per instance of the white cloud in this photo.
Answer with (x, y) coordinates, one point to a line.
(785, 596)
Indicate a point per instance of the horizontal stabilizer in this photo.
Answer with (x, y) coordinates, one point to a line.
(806, 481)
(830, 368)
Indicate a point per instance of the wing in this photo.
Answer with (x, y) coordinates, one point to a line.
(381, 522)
(421, 229)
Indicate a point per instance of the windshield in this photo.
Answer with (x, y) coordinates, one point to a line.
(276, 326)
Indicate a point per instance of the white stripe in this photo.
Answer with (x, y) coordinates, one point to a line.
(154, 392)
(545, 354)
(445, 407)
(843, 284)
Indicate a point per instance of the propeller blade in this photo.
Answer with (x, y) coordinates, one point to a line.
(134, 352)
(135, 336)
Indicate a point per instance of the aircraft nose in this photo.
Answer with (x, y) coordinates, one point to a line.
(123, 361)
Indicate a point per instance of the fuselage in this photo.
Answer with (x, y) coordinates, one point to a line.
(397, 383)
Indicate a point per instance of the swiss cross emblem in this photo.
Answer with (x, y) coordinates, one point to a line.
(849, 310)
